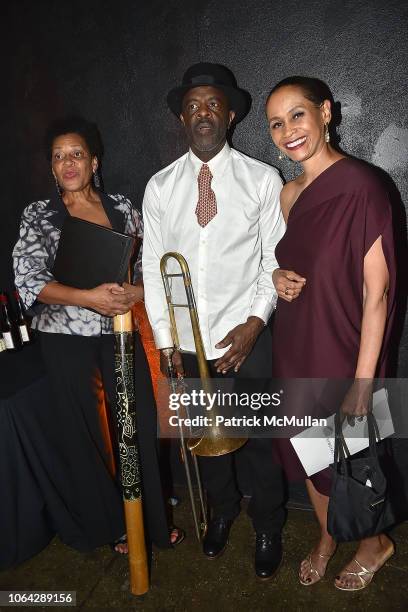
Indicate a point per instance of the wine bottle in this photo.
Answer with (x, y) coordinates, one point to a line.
(5, 324)
(21, 322)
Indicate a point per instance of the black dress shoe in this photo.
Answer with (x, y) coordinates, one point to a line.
(268, 555)
(216, 538)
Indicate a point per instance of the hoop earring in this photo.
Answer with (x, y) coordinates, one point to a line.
(326, 133)
(96, 180)
(57, 186)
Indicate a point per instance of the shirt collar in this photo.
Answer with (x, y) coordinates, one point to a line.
(217, 164)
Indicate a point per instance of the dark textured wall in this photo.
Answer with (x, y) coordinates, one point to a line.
(114, 61)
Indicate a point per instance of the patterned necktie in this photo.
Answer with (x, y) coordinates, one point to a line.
(207, 204)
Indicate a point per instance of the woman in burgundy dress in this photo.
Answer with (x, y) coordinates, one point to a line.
(334, 314)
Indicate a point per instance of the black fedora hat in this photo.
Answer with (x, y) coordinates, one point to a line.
(217, 76)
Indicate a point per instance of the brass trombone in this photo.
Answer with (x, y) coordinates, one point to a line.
(214, 443)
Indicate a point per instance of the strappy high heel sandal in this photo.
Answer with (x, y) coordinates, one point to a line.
(365, 575)
(313, 570)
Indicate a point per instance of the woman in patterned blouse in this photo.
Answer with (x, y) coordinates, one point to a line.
(76, 333)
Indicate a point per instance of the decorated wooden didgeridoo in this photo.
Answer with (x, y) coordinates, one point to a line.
(130, 471)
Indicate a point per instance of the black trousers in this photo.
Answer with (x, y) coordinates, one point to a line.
(266, 506)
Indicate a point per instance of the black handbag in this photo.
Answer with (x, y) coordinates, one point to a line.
(359, 506)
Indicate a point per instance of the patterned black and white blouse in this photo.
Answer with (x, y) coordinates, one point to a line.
(34, 255)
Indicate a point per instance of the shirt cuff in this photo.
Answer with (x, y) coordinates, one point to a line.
(262, 308)
(163, 338)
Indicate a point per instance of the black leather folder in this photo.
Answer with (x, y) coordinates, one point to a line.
(90, 254)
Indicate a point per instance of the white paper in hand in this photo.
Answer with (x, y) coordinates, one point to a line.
(315, 445)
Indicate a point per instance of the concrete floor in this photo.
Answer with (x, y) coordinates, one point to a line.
(183, 580)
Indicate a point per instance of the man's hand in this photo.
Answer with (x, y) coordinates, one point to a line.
(288, 284)
(176, 360)
(357, 402)
(105, 301)
(242, 339)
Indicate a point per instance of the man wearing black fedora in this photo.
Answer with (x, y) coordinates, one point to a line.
(220, 209)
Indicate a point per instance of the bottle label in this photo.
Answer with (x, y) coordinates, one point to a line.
(8, 340)
(24, 333)
(2, 345)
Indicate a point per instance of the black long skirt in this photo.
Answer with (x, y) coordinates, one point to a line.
(83, 499)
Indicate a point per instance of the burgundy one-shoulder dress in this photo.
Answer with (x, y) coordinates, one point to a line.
(331, 227)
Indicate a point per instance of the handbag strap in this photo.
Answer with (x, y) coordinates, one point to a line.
(373, 434)
(341, 451)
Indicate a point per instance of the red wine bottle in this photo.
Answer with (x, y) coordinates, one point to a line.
(21, 321)
(5, 324)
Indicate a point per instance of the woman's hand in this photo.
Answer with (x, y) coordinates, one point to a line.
(132, 293)
(288, 284)
(109, 299)
(357, 402)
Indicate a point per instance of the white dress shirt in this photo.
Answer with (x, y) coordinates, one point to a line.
(231, 259)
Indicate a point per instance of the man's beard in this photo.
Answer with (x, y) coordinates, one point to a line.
(206, 146)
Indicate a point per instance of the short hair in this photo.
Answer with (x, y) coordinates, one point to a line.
(313, 89)
(74, 125)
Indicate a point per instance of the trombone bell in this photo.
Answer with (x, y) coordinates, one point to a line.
(209, 446)
(214, 444)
